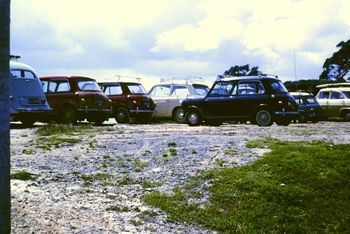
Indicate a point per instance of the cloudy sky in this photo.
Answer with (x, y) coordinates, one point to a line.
(177, 38)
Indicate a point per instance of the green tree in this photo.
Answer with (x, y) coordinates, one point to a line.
(243, 70)
(337, 67)
(5, 197)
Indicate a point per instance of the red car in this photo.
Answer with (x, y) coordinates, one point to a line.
(129, 100)
(76, 98)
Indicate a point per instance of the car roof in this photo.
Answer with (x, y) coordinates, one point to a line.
(66, 77)
(333, 85)
(300, 94)
(117, 82)
(259, 77)
(335, 89)
(22, 66)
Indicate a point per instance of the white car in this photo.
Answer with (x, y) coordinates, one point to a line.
(169, 96)
(335, 100)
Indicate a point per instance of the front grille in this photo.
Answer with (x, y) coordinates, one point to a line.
(36, 101)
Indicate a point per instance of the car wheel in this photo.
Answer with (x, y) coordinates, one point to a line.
(68, 115)
(193, 118)
(283, 122)
(122, 115)
(302, 119)
(346, 116)
(263, 117)
(27, 122)
(179, 115)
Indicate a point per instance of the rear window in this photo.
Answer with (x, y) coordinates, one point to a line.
(136, 89)
(88, 85)
(201, 89)
(22, 74)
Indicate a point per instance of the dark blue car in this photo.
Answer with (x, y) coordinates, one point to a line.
(309, 108)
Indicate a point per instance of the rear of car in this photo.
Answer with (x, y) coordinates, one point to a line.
(309, 108)
(169, 96)
(28, 103)
(76, 98)
(129, 101)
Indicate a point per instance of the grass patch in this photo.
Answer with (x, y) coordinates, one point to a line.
(59, 129)
(91, 178)
(172, 144)
(298, 187)
(150, 184)
(23, 175)
(231, 152)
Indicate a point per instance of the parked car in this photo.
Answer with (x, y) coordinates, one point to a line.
(129, 100)
(260, 99)
(28, 103)
(168, 98)
(76, 98)
(335, 100)
(309, 108)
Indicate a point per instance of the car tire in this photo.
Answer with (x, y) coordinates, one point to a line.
(179, 115)
(68, 115)
(122, 115)
(346, 116)
(27, 122)
(193, 118)
(283, 122)
(263, 117)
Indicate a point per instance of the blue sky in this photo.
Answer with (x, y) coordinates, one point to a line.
(166, 38)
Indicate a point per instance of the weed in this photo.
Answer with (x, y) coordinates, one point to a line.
(127, 181)
(28, 151)
(118, 208)
(171, 144)
(149, 184)
(172, 151)
(55, 129)
(231, 152)
(23, 175)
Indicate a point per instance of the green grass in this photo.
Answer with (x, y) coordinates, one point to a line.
(23, 175)
(298, 187)
(55, 129)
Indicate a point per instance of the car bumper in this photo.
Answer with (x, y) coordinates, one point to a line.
(95, 110)
(142, 111)
(287, 113)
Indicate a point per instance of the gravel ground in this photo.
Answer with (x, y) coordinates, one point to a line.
(65, 198)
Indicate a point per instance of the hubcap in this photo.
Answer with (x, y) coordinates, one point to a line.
(263, 118)
(180, 115)
(193, 118)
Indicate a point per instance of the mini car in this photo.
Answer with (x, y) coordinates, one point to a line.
(309, 108)
(28, 103)
(76, 98)
(168, 98)
(260, 99)
(335, 100)
(129, 100)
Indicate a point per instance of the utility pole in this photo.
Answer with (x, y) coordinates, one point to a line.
(5, 191)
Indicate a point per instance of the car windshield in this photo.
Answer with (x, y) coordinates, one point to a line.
(88, 85)
(278, 87)
(136, 89)
(201, 89)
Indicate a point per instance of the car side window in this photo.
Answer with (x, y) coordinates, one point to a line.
(248, 88)
(113, 90)
(337, 95)
(57, 86)
(221, 89)
(44, 85)
(163, 90)
(323, 95)
(180, 91)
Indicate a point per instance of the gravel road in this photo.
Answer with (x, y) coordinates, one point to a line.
(96, 185)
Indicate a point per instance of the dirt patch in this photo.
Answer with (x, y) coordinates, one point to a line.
(96, 184)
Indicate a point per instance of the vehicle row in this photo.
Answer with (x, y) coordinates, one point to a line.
(262, 100)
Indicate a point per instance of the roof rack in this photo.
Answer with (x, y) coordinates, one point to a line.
(260, 75)
(186, 80)
(122, 78)
(15, 57)
(334, 85)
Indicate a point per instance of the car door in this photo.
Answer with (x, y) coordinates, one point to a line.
(160, 95)
(335, 103)
(58, 92)
(245, 96)
(216, 102)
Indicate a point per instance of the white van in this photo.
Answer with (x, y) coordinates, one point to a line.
(28, 103)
